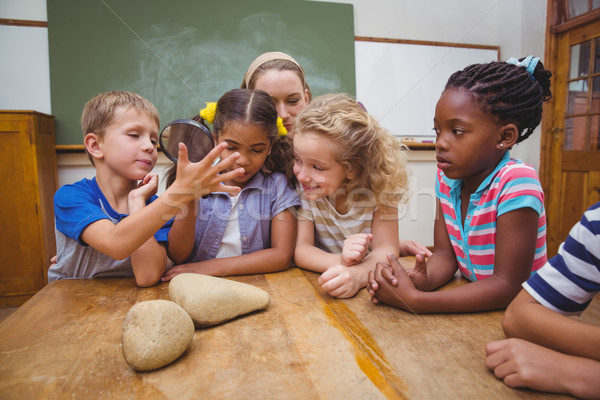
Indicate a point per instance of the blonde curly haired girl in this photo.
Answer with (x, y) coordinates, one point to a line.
(352, 175)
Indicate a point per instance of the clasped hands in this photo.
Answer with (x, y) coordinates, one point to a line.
(393, 285)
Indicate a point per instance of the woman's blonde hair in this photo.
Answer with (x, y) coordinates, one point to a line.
(377, 159)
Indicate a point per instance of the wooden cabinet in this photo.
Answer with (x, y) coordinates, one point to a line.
(29, 181)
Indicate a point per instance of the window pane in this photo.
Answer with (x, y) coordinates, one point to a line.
(594, 132)
(595, 4)
(577, 97)
(580, 60)
(577, 7)
(595, 106)
(575, 133)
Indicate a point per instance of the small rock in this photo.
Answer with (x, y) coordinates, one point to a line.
(155, 333)
(210, 300)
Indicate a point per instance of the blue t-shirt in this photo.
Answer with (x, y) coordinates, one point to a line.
(76, 206)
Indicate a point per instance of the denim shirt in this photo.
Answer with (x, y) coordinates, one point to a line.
(263, 198)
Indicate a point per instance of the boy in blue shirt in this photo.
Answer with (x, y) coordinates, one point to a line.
(111, 225)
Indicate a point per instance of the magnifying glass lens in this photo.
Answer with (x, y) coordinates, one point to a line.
(194, 135)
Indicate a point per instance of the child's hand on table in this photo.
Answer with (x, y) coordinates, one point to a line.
(355, 248)
(341, 281)
(412, 248)
(418, 274)
(391, 285)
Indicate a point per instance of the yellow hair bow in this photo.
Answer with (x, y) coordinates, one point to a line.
(281, 131)
(208, 113)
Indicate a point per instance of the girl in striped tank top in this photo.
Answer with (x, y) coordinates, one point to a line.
(491, 222)
(352, 175)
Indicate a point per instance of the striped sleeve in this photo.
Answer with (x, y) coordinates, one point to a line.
(568, 282)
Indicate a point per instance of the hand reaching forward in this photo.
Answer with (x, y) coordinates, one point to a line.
(355, 248)
(200, 178)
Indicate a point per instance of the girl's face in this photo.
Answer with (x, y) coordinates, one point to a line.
(468, 139)
(287, 92)
(251, 142)
(315, 166)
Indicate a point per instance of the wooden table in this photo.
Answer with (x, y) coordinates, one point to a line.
(66, 342)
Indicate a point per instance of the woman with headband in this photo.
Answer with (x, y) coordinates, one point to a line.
(283, 79)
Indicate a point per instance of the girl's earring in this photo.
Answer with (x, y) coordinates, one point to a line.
(501, 144)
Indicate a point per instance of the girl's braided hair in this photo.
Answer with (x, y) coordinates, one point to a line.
(507, 91)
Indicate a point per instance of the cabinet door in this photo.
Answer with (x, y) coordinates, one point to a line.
(21, 272)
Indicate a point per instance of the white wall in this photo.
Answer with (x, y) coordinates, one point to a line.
(517, 26)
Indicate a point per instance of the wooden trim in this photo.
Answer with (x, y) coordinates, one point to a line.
(427, 43)
(420, 146)
(23, 22)
(575, 22)
(69, 148)
(76, 148)
(547, 114)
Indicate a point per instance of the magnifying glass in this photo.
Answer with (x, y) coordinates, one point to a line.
(194, 135)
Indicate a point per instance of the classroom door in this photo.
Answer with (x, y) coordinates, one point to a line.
(574, 165)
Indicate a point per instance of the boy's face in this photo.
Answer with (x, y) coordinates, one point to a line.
(129, 144)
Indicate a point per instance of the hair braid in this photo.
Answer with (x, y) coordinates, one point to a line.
(507, 91)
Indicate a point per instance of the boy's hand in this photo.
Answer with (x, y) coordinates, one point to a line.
(145, 189)
(524, 364)
(342, 281)
(418, 274)
(355, 248)
(203, 177)
(412, 248)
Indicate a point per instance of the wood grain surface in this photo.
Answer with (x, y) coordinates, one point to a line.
(66, 343)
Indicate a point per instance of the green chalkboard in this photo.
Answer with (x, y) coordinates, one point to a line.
(180, 54)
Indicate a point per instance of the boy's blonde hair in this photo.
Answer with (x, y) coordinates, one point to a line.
(377, 158)
(102, 110)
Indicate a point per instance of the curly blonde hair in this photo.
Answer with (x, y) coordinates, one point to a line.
(376, 157)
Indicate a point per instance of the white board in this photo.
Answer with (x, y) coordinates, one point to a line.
(400, 83)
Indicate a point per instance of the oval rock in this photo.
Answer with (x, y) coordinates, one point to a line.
(210, 300)
(155, 333)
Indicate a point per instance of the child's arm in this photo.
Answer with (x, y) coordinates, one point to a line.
(524, 364)
(527, 319)
(149, 260)
(193, 180)
(276, 258)
(516, 236)
(306, 254)
(182, 234)
(343, 281)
